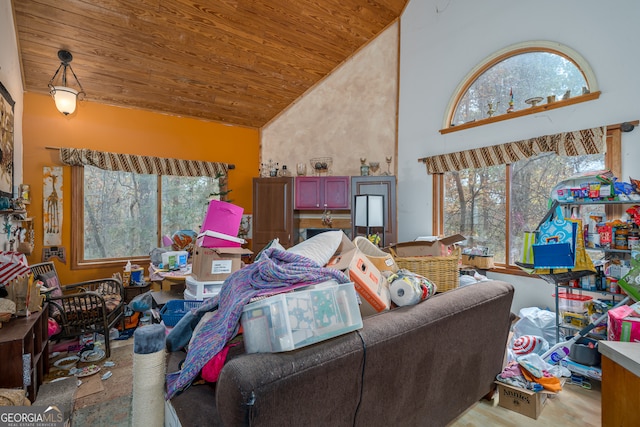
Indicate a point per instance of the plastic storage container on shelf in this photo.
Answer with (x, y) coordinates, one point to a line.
(574, 309)
(200, 289)
(574, 302)
(292, 320)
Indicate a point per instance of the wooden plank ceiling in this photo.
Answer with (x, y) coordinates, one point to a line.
(233, 61)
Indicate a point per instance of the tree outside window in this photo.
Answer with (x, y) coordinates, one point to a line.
(476, 200)
(494, 206)
(125, 215)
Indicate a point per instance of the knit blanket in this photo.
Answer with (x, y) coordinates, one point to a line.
(275, 269)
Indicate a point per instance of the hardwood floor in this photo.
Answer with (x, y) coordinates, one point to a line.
(573, 406)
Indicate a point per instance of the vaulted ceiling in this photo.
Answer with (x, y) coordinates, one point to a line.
(233, 61)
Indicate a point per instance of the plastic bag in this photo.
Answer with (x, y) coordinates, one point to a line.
(536, 321)
(142, 302)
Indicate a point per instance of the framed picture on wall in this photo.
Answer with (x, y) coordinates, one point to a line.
(6, 142)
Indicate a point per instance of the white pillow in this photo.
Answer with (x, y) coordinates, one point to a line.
(319, 248)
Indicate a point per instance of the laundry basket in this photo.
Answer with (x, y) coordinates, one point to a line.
(442, 270)
(175, 310)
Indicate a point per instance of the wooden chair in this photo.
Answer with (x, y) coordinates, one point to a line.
(91, 306)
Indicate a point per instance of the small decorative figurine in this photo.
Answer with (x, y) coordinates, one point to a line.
(491, 111)
(510, 109)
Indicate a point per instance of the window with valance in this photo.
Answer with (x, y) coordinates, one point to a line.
(147, 165)
(493, 194)
(123, 204)
(581, 142)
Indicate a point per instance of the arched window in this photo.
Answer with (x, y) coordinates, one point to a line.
(519, 80)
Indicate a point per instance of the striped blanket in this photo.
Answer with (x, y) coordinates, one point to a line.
(276, 270)
(12, 265)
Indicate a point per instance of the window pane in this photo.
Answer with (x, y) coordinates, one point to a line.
(121, 210)
(185, 201)
(531, 183)
(531, 74)
(120, 214)
(474, 207)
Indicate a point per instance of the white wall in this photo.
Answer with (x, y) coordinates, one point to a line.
(349, 115)
(11, 79)
(442, 40)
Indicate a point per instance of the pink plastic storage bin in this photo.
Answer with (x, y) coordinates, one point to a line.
(224, 218)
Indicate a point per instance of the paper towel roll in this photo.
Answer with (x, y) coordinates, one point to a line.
(405, 291)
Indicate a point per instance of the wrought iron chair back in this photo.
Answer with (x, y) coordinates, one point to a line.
(90, 306)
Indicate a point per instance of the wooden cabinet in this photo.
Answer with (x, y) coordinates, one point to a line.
(382, 185)
(620, 383)
(322, 192)
(24, 355)
(272, 212)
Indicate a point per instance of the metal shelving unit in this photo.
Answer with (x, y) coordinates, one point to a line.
(615, 297)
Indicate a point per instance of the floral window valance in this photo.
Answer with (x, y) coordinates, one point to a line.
(142, 164)
(576, 143)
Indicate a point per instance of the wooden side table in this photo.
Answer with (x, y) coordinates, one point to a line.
(24, 352)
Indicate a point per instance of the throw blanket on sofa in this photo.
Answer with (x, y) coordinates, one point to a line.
(274, 269)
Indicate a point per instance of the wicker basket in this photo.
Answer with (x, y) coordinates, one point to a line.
(442, 270)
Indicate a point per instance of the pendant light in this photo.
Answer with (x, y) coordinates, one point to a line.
(65, 96)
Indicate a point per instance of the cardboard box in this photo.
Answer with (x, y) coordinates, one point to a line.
(520, 400)
(216, 264)
(623, 324)
(428, 246)
(483, 262)
(370, 284)
(223, 218)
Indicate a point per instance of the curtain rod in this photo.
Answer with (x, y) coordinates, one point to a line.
(230, 166)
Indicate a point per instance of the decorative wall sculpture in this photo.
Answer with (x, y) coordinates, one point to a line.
(52, 205)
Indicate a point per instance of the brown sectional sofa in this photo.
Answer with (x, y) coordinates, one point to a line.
(419, 365)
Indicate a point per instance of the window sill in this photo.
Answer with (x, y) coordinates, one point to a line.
(511, 270)
(531, 110)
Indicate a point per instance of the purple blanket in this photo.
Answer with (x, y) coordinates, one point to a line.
(275, 270)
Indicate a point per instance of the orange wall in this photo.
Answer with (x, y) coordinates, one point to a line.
(122, 130)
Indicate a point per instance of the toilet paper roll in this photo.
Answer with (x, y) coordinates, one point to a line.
(405, 291)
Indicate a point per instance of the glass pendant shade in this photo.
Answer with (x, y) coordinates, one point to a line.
(65, 99)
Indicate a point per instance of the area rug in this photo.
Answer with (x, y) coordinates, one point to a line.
(97, 401)
(112, 405)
